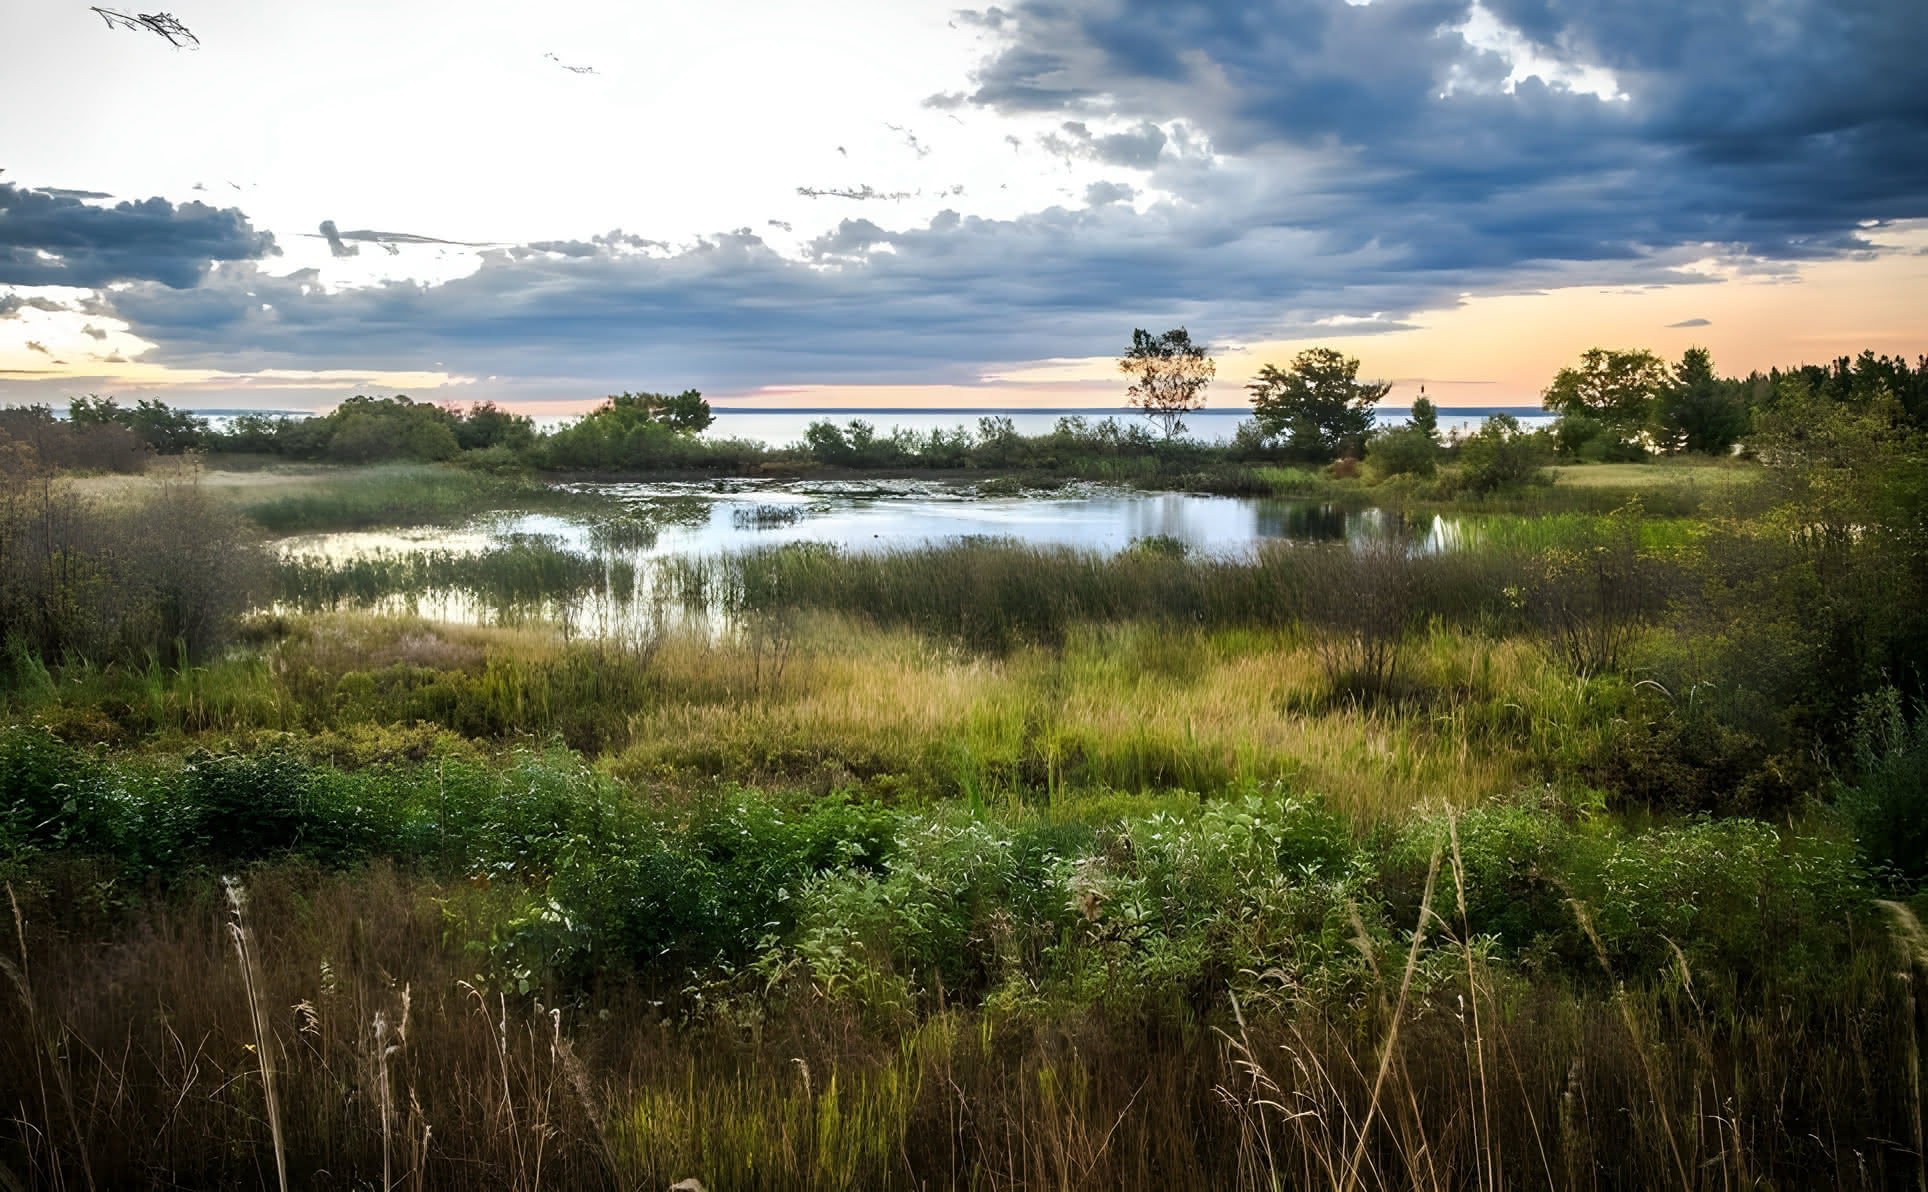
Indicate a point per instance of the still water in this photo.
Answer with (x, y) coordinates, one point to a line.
(658, 520)
(783, 428)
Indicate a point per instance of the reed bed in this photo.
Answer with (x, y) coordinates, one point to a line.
(396, 1059)
(403, 495)
(528, 574)
(827, 702)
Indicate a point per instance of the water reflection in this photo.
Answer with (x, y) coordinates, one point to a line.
(705, 519)
(598, 572)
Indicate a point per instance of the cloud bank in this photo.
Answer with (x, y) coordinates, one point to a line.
(56, 239)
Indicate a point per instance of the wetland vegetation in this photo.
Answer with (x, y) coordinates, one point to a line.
(458, 819)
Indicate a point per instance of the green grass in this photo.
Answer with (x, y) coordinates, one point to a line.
(517, 576)
(398, 495)
(797, 991)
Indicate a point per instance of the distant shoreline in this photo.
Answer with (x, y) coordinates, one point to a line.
(1107, 411)
(981, 411)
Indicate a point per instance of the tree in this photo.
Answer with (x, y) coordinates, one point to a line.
(632, 430)
(1170, 373)
(489, 425)
(1698, 411)
(682, 412)
(1319, 404)
(167, 430)
(1425, 415)
(365, 429)
(1615, 387)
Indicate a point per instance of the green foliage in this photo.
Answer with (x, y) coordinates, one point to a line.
(1745, 901)
(1857, 381)
(486, 426)
(1616, 387)
(1318, 404)
(366, 429)
(1402, 451)
(371, 429)
(852, 445)
(166, 430)
(1425, 415)
(1584, 437)
(633, 431)
(1887, 800)
(1697, 411)
(528, 576)
(1591, 594)
(1169, 375)
(1498, 457)
(400, 495)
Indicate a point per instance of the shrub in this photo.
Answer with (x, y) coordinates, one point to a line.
(1887, 804)
(161, 578)
(1590, 596)
(1402, 451)
(1498, 456)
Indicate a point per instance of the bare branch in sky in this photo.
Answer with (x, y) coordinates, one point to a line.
(866, 191)
(581, 70)
(338, 240)
(161, 24)
(910, 139)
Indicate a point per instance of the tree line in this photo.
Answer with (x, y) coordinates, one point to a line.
(1612, 405)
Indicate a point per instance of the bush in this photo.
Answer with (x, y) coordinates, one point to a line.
(37, 440)
(163, 578)
(1887, 805)
(1402, 451)
(1498, 457)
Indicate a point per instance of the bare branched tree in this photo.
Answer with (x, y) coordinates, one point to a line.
(161, 24)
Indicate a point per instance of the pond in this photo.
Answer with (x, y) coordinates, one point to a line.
(701, 519)
(615, 564)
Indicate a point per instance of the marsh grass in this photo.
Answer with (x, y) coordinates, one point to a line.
(1548, 1087)
(1125, 707)
(401, 495)
(528, 576)
(823, 701)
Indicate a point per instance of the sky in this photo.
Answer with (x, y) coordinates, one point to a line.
(892, 202)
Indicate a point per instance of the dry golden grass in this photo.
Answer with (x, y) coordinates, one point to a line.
(1659, 474)
(227, 482)
(1128, 708)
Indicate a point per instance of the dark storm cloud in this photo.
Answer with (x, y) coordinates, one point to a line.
(864, 303)
(54, 240)
(1304, 168)
(1771, 128)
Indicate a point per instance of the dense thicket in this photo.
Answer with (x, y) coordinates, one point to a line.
(163, 577)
